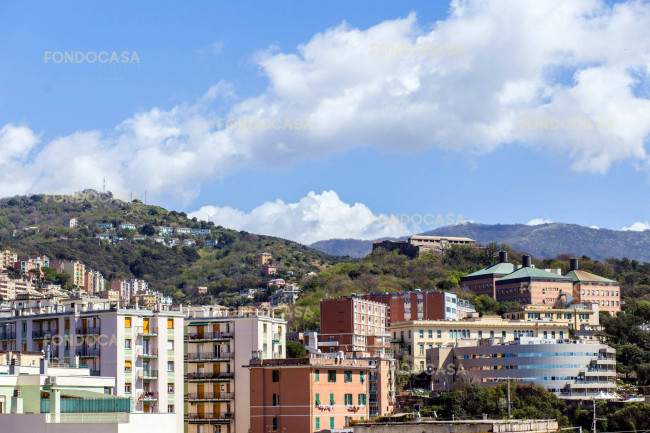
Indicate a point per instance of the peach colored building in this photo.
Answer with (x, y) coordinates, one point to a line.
(592, 289)
(529, 285)
(483, 282)
(354, 325)
(417, 305)
(269, 270)
(322, 392)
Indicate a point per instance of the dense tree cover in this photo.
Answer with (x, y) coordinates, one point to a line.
(295, 350)
(176, 271)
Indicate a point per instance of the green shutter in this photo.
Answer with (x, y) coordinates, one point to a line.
(332, 399)
(331, 422)
(317, 375)
(317, 399)
(317, 423)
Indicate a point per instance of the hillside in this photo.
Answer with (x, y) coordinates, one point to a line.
(546, 240)
(35, 225)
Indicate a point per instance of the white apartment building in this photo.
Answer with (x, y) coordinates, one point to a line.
(141, 349)
(39, 397)
(219, 343)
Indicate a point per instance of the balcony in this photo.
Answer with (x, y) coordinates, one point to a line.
(7, 336)
(149, 374)
(194, 357)
(43, 334)
(208, 336)
(151, 396)
(150, 331)
(210, 396)
(86, 352)
(277, 338)
(150, 353)
(208, 377)
(208, 416)
(88, 331)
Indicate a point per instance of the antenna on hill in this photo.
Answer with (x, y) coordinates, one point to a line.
(145, 196)
(104, 188)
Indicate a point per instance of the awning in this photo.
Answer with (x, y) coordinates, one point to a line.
(198, 323)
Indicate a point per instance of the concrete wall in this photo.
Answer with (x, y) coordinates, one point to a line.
(478, 426)
(36, 423)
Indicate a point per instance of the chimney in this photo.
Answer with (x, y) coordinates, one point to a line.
(525, 261)
(503, 257)
(573, 263)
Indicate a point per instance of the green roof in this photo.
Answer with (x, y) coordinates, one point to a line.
(498, 269)
(530, 273)
(587, 276)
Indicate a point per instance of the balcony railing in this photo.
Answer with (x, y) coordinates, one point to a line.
(88, 331)
(149, 353)
(86, 352)
(208, 336)
(39, 335)
(277, 337)
(208, 356)
(207, 396)
(150, 374)
(210, 376)
(149, 396)
(209, 416)
(7, 335)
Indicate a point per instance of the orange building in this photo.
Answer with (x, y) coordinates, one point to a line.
(354, 325)
(322, 392)
(263, 259)
(592, 289)
(483, 282)
(529, 285)
(417, 305)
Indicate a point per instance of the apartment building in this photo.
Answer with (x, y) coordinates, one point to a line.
(354, 326)
(36, 396)
(94, 282)
(529, 285)
(483, 282)
(576, 316)
(141, 349)
(76, 270)
(418, 305)
(7, 259)
(322, 392)
(572, 369)
(130, 288)
(414, 337)
(219, 343)
(10, 288)
(263, 259)
(37, 263)
(593, 289)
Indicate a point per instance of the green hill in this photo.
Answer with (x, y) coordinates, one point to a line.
(35, 225)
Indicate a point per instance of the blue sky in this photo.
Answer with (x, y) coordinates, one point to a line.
(392, 135)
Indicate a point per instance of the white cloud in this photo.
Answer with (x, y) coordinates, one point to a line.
(314, 217)
(638, 226)
(512, 55)
(538, 221)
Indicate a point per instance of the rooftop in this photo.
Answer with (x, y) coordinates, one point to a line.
(579, 276)
(531, 273)
(497, 269)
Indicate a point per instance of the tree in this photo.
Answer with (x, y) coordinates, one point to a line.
(148, 230)
(295, 350)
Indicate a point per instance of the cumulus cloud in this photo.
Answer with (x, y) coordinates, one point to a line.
(638, 226)
(314, 217)
(538, 221)
(369, 87)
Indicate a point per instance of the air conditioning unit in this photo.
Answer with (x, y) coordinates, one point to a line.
(50, 380)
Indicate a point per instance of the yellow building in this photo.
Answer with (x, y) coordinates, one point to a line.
(579, 317)
(412, 338)
(7, 259)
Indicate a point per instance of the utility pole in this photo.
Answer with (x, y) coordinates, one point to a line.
(593, 425)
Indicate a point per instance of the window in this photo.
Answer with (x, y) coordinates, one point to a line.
(503, 334)
(317, 423)
(439, 333)
(362, 399)
(317, 375)
(331, 375)
(318, 398)
(347, 376)
(361, 376)
(332, 399)
(276, 423)
(127, 388)
(170, 323)
(348, 399)
(170, 388)
(170, 366)
(127, 365)
(276, 399)
(480, 334)
(170, 408)
(170, 344)
(127, 344)
(421, 333)
(276, 375)
(430, 333)
(127, 322)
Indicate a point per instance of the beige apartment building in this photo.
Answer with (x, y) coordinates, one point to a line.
(219, 343)
(577, 316)
(413, 338)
